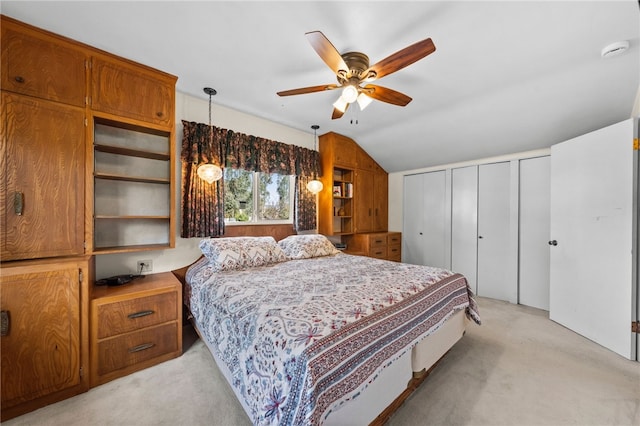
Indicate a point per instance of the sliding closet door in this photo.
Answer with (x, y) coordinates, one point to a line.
(494, 230)
(592, 222)
(535, 188)
(427, 220)
(464, 223)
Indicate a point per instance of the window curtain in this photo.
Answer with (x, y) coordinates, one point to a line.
(201, 204)
(202, 208)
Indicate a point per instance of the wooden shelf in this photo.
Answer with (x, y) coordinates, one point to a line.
(111, 176)
(132, 152)
(132, 217)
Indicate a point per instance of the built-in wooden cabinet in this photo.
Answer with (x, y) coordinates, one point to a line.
(43, 163)
(366, 206)
(44, 332)
(37, 64)
(381, 245)
(86, 156)
(135, 326)
(130, 90)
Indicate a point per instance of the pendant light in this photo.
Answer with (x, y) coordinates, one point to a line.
(208, 171)
(315, 186)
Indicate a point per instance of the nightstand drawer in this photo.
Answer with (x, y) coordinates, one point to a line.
(134, 348)
(129, 315)
(394, 238)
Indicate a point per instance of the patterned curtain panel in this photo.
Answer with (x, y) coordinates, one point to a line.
(201, 205)
(202, 208)
(304, 213)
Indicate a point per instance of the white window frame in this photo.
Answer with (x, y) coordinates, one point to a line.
(255, 176)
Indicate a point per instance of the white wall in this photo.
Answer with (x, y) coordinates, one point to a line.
(190, 108)
(396, 181)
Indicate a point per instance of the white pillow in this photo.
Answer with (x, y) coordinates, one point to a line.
(230, 253)
(307, 246)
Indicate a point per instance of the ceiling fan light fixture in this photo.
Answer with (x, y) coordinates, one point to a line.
(350, 94)
(364, 101)
(340, 104)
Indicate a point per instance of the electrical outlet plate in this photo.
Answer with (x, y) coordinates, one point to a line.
(145, 266)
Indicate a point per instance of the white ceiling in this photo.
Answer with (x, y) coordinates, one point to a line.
(507, 76)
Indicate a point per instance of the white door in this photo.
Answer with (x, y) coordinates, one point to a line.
(464, 223)
(426, 219)
(535, 193)
(413, 220)
(436, 217)
(494, 230)
(592, 225)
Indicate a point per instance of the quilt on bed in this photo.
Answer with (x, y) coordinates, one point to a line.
(301, 337)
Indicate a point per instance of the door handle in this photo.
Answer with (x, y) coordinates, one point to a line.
(18, 203)
(4, 327)
(553, 243)
(480, 237)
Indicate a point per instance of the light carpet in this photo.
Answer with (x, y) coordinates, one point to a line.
(518, 368)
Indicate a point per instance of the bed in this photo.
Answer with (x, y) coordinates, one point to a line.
(306, 334)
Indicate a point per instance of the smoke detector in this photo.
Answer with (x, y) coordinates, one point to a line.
(615, 49)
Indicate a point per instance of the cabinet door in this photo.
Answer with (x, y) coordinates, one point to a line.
(380, 202)
(42, 67)
(363, 194)
(128, 91)
(41, 350)
(43, 160)
(344, 151)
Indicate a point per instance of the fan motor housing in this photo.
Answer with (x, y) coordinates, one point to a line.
(357, 62)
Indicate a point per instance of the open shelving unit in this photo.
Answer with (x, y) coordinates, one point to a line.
(132, 188)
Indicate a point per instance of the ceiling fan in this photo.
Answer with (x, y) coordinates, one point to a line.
(352, 71)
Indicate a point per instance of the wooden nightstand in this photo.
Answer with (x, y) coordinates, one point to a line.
(135, 326)
(382, 245)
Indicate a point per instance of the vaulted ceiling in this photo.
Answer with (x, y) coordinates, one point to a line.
(506, 76)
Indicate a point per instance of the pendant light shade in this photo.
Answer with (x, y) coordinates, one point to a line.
(210, 172)
(314, 186)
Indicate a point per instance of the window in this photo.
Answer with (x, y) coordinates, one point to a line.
(252, 197)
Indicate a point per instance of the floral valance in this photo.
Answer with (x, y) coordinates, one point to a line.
(241, 151)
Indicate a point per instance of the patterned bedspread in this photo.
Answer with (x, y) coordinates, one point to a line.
(301, 337)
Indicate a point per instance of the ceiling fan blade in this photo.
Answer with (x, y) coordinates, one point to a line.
(337, 113)
(327, 51)
(386, 95)
(311, 89)
(403, 58)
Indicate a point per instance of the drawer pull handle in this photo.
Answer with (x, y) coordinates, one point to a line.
(142, 347)
(141, 314)
(19, 79)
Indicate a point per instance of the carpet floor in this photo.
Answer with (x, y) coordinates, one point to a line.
(518, 368)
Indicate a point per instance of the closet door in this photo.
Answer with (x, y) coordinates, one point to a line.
(464, 223)
(494, 230)
(413, 220)
(592, 222)
(427, 219)
(535, 187)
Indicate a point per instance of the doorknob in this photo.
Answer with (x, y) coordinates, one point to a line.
(553, 243)
(480, 237)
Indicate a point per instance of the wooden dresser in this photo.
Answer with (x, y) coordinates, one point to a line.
(135, 326)
(382, 245)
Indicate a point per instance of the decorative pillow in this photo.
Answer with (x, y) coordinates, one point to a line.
(307, 246)
(230, 253)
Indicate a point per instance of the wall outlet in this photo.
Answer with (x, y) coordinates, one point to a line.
(145, 266)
